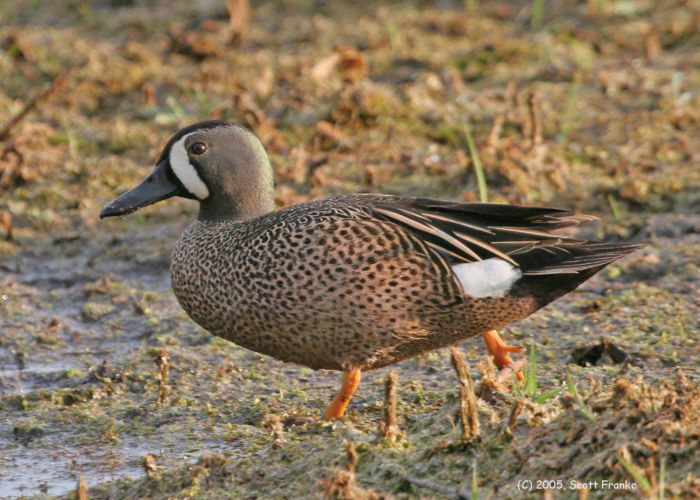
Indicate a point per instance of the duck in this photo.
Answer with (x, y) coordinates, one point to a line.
(354, 282)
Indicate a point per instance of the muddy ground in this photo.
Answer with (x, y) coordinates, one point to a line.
(592, 106)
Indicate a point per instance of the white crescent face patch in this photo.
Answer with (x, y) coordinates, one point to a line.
(487, 278)
(185, 172)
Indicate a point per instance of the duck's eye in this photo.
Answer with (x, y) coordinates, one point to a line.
(198, 148)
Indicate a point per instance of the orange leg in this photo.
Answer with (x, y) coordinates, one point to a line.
(351, 379)
(499, 350)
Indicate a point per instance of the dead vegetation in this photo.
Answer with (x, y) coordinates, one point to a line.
(639, 423)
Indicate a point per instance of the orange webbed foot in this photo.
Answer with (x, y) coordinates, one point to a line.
(499, 350)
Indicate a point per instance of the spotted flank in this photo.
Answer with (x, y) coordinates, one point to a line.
(185, 171)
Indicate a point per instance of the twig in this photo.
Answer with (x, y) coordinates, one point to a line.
(511, 370)
(274, 423)
(444, 490)
(45, 91)
(81, 489)
(495, 134)
(6, 223)
(11, 171)
(498, 120)
(389, 429)
(163, 362)
(467, 400)
(514, 412)
(390, 399)
(352, 457)
(239, 20)
(148, 461)
(342, 483)
(509, 94)
(532, 102)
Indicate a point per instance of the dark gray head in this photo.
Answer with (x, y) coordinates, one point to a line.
(220, 164)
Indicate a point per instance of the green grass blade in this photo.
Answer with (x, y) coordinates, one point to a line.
(546, 395)
(662, 478)
(641, 480)
(579, 402)
(536, 14)
(475, 483)
(478, 169)
(175, 108)
(392, 31)
(516, 387)
(615, 208)
(567, 121)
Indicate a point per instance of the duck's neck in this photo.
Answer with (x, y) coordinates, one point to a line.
(250, 196)
(236, 207)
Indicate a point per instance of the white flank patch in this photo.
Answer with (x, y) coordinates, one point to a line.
(487, 278)
(185, 172)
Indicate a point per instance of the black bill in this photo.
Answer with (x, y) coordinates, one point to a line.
(154, 188)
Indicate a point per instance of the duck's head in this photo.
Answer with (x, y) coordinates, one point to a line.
(220, 164)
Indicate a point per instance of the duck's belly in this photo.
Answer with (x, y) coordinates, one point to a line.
(324, 331)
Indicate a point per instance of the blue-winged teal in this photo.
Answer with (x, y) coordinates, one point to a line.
(355, 282)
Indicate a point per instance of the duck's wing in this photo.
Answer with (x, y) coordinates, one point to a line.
(521, 236)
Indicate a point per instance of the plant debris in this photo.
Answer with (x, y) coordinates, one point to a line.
(592, 354)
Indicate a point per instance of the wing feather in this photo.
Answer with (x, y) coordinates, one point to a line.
(522, 236)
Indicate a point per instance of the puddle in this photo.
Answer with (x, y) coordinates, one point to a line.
(32, 471)
(45, 376)
(46, 300)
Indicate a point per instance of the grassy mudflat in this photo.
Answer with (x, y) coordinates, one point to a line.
(595, 109)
